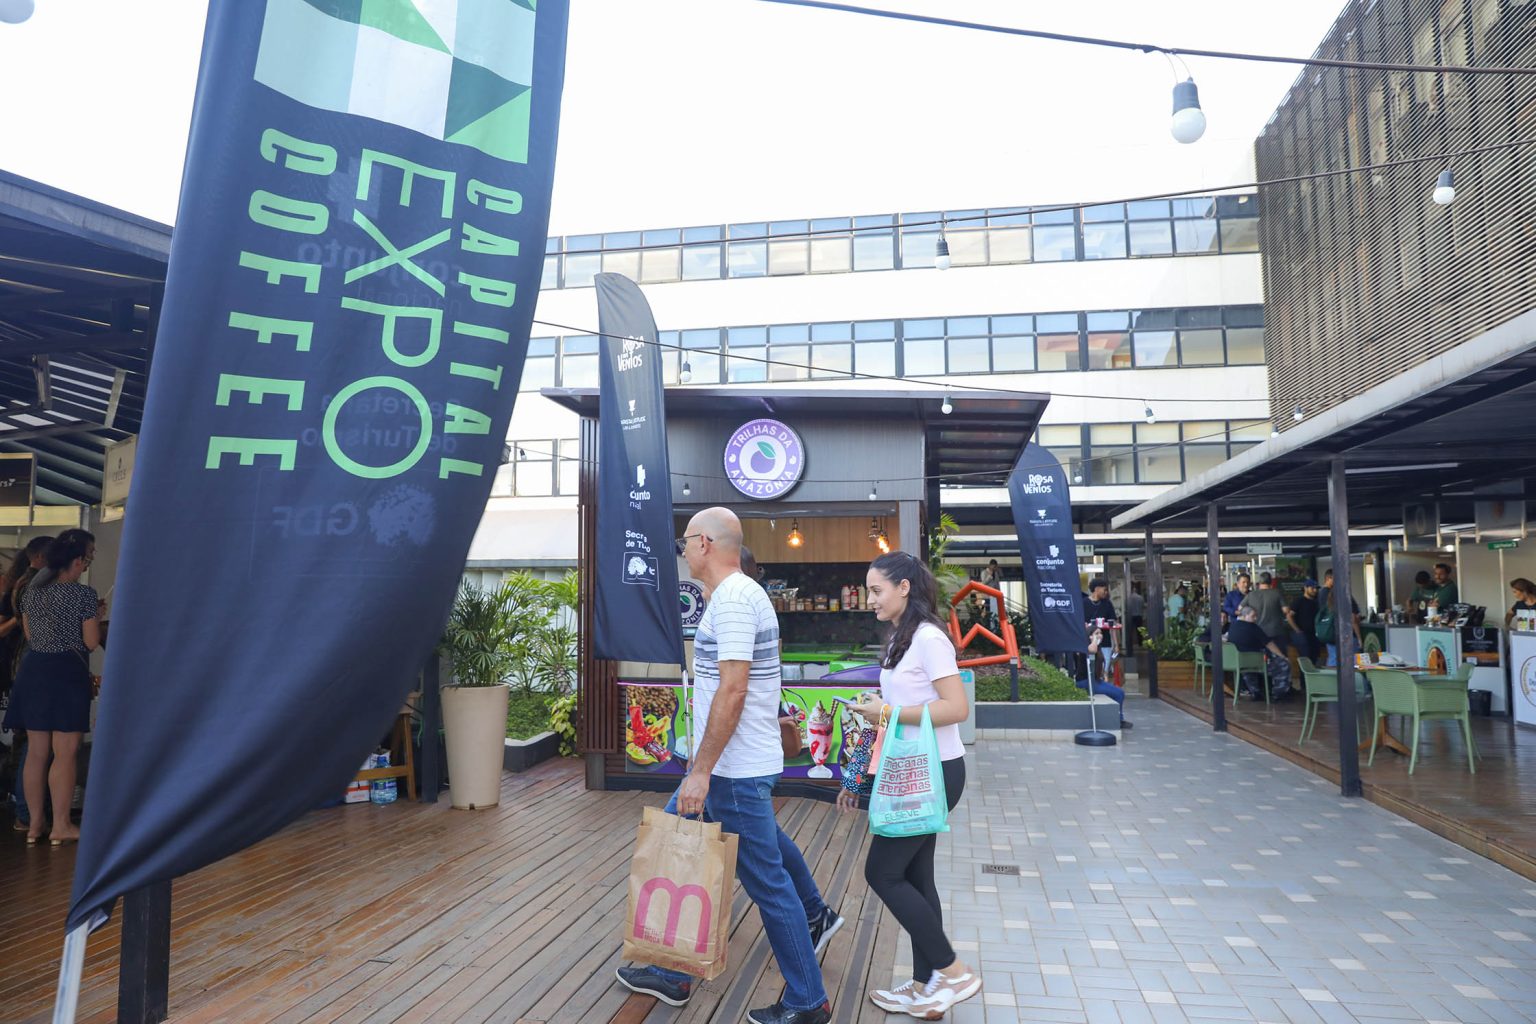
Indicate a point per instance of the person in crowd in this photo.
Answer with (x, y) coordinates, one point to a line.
(992, 575)
(1135, 613)
(1234, 598)
(1525, 599)
(731, 777)
(1248, 637)
(1446, 593)
(1354, 618)
(1269, 603)
(1095, 683)
(1423, 593)
(27, 561)
(1097, 605)
(1177, 601)
(917, 669)
(52, 696)
(749, 567)
(1301, 616)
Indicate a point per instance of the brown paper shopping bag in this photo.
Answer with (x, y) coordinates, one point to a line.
(680, 883)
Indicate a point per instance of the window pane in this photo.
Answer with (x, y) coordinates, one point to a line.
(780, 334)
(1208, 431)
(660, 265)
(1249, 430)
(1245, 346)
(1107, 212)
(874, 330)
(579, 270)
(578, 371)
(538, 372)
(705, 367)
(1200, 348)
(709, 234)
(1013, 325)
(1071, 460)
(832, 360)
(1157, 433)
(872, 250)
(1111, 433)
(1243, 316)
(1158, 465)
(1156, 348)
(1104, 241)
(923, 329)
(1148, 209)
(1195, 235)
(748, 259)
(1200, 457)
(535, 473)
(877, 357)
(968, 355)
(1052, 216)
(923, 358)
(626, 263)
(1058, 352)
(1067, 434)
(501, 486)
(918, 249)
(1240, 235)
(1109, 350)
(1055, 245)
(967, 326)
(789, 362)
(791, 257)
(569, 472)
(831, 255)
(1151, 238)
(1008, 245)
(967, 248)
(551, 278)
(839, 330)
(1112, 465)
(1056, 323)
(701, 263)
(671, 358)
(1013, 354)
(747, 370)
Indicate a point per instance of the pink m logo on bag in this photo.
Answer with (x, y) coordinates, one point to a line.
(678, 894)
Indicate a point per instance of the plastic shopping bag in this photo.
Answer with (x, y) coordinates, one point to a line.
(909, 797)
(680, 882)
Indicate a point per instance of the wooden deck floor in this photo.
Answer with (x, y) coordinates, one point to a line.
(414, 914)
(1492, 813)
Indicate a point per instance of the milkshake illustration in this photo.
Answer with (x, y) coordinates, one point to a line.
(821, 742)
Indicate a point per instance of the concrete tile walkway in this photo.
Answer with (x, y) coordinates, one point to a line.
(1188, 876)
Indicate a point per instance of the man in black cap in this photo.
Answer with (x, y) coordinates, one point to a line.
(1302, 618)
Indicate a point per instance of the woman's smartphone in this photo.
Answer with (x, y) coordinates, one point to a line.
(843, 700)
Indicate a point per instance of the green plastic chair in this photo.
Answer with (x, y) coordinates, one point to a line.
(1238, 662)
(1202, 663)
(1396, 693)
(1323, 688)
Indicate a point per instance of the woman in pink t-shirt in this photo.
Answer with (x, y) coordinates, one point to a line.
(918, 669)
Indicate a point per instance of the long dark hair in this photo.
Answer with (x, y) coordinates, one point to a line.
(922, 601)
(23, 560)
(66, 547)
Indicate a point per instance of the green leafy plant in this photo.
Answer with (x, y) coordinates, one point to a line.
(1039, 680)
(562, 721)
(527, 714)
(950, 577)
(1177, 642)
(484, 635)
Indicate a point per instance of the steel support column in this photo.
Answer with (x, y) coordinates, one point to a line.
(1344, 623)
(144, 966)
(1152, 609)
(1213, 605)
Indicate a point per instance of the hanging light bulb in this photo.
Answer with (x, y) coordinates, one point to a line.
(687, 375)
(687, 489)
(1299, 415)
(941, 259)
(1149, 414)
(1445, 188)
(883, 542)
(874, 528)
(14, 12)
(795, 538)
(1274, 431)
(948, 406)
(1077, 478)
(874, 494)
(1188, 119)
(521, 455)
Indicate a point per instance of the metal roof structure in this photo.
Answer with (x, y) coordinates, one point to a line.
(1443, 431)
(976, 444)
(80, 289)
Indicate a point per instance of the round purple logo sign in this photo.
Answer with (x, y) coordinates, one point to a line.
(764, 459)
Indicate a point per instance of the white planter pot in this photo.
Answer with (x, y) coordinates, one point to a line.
(475, 721)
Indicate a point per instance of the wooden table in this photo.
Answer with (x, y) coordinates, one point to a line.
(1384, 739)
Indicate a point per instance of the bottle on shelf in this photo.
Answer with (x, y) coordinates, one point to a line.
(382, 791)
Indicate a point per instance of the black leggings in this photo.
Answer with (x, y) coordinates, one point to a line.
(900, 871)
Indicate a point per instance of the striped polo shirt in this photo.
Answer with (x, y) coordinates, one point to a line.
(739, 625)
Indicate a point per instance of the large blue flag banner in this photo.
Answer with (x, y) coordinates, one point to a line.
(635, 611)
(351, 285)
(1042, 516)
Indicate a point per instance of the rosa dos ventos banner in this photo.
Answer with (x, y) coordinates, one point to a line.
(1042, 516)
(351, 285)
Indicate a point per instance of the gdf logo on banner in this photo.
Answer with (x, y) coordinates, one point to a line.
(764, 459)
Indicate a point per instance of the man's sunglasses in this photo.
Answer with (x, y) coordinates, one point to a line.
(681, 543)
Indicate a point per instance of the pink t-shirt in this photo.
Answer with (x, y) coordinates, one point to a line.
(910, 684)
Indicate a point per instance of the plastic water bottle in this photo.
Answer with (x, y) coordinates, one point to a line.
(382, 791)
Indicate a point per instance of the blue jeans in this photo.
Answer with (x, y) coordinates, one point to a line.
(1108, 690)
(774, 874)
(1333, 654)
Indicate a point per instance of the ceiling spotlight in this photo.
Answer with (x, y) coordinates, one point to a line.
(14, 12)
(1445, 188)
(1299, 415)
(948, 406)
(1149, 414)
(941, 259)
(795, 538)
(1188, 119)
(687, 375)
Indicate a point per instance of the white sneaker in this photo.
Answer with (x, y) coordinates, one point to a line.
(898, 999)
(941, 993)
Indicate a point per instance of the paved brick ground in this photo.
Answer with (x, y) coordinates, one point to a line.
(1186, 876)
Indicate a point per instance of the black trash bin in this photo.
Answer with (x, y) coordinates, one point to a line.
(1482, 702)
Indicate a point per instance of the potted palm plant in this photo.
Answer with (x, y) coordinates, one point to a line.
(482, 643)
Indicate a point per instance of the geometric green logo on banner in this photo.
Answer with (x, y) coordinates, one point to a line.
(456, 70)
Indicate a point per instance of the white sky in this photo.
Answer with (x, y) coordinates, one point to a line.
(704, 111)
